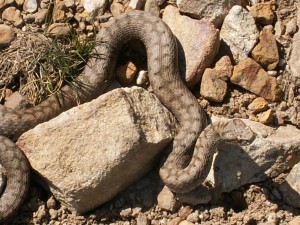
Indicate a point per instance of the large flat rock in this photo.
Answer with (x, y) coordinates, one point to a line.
(90, 153)
(273, 151)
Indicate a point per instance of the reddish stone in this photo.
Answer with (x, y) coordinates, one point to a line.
(251, 76)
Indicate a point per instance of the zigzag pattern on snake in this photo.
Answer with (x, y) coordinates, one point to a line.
(166, 83)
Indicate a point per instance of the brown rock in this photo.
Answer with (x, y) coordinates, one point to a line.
(224, 68)
(78, 168)
(266, 117)
(175, 221)
(266, 51)
(13, 15)
(184, 212)
(7, 35)
(198, 44)
(263, 13)
(116, 8)
(59, 11)
(212, 87)
(59, 28)
(17, 101)
(126, 73)
(258, 105)
(251, 76)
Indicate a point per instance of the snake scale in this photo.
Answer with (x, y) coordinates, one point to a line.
(166, 83)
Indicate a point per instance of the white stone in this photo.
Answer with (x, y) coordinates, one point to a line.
(239, 33)
(136, 4)
(88, 154)
(30, 6)
(142, 78)
(94, 8)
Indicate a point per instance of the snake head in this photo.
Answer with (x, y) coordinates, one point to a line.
(236, 131)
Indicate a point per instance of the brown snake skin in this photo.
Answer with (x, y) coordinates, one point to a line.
(166, 83)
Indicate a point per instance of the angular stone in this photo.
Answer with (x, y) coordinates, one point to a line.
(212, 87)
(272, 152)
(224, 68)
(258, 105)
(239, 33)
(7, 35)
(266, 51)
(290, 189)
(263, 13)
(90, 153)
(167, 200)
(213, 11)
(251, 76)
(198, 44)
(266, 117)
(294, 61)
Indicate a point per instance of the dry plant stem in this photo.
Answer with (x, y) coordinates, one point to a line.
(163, 75)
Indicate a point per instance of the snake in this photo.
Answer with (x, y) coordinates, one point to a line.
(183, 167)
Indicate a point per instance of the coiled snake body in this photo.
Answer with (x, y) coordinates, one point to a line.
(166, 83)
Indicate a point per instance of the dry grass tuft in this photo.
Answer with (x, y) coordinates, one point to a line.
(38, 66)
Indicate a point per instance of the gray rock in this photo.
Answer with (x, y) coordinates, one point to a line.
(90, 153)
(198, 43)
(7, 35)
(273, 151)
(294, 62)
(239, 33)
(290, 189)
(212, 10)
